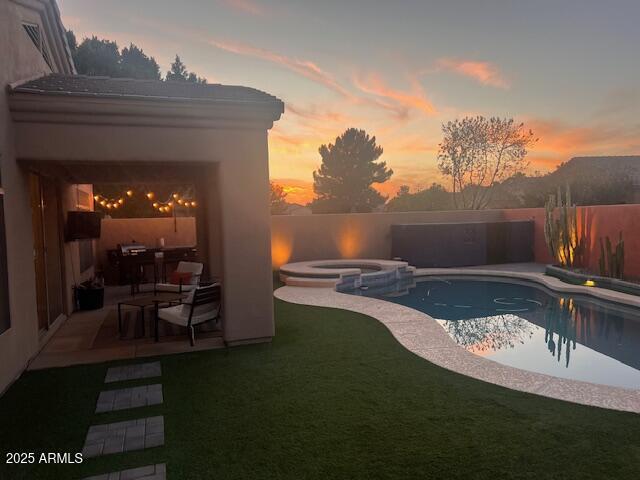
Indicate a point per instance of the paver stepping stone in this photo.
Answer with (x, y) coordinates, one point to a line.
(132, 397)
(133, 372)
(124, 436)
(149, 472)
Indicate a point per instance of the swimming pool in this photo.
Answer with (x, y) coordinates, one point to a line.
(527, 326)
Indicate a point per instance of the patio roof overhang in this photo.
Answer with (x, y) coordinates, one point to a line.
(76, 99)
(132, 173)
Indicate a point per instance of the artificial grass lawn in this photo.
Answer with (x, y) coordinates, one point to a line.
(334, 396)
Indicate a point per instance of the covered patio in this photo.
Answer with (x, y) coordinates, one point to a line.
(77, 131)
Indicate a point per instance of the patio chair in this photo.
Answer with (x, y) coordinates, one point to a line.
(202, 305)
(183, 279)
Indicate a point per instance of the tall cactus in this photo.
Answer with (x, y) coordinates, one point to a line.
(565, 244)
(611, 260)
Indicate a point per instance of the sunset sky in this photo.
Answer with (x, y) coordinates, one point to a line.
(569, 69)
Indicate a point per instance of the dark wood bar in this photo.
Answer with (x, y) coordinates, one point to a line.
(133, 266)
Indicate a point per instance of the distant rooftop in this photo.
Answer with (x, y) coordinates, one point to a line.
(606, 159)
(106, 87)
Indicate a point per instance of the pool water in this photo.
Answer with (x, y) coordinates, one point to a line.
(527, 326)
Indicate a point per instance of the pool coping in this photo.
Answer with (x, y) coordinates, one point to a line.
(422, 335)
(548, 281)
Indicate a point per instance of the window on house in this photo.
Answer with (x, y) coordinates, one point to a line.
(5, 316)
(35, 35)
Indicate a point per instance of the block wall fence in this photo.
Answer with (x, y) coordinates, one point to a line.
(368, 235)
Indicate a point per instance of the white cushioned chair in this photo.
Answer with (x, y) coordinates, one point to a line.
(194, 268)
(202, 305)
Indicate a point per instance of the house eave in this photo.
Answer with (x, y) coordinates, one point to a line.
(137, 110)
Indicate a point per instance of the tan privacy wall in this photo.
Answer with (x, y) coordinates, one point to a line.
(358, 235)
(368, 235)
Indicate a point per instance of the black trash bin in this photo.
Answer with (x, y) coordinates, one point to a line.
(90, 298)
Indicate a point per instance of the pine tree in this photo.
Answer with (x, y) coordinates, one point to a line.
(343, 183)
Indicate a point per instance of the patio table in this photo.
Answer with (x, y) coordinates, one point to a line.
(147, 301)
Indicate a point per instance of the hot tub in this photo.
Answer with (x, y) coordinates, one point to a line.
(345, 274)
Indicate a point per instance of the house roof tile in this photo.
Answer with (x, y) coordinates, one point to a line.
(82, 85)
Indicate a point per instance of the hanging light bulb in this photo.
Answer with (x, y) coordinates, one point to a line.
(180, 201)
(150, 195)
(193, 204)
(109, 205)
(103, 203)
(170, 204)
(175, 195)
(121, 201)
(116, 205)
(155, 205)
(96, 197)
(129, 193)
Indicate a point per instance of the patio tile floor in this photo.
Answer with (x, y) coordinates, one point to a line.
(124, 436)
(133, 372)
(148, 472)
(122, 399)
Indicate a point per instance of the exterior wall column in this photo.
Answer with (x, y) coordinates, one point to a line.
(245, 227)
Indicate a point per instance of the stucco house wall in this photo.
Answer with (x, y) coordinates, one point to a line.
(20, 60)
(213, 138)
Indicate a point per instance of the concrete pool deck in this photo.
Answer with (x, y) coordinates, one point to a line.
(422, 335)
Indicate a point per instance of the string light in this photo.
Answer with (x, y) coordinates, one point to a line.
(174, 200)
(110, 203)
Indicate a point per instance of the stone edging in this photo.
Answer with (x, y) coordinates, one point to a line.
(578, 278)
(422, 335)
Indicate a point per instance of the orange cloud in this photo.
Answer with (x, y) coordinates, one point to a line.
(298, 191)
(305, 68)
(484, 72)
(558, 141)
(396, 100)
(283, 142)
(317, 115)
(245, 6)
(411, 144)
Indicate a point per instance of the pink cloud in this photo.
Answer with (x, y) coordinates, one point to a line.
(305, 68)
(485, 73)
(245, 6)
(397, 100)
(378, 94)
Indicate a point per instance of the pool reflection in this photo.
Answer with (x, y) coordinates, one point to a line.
(530, 327)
